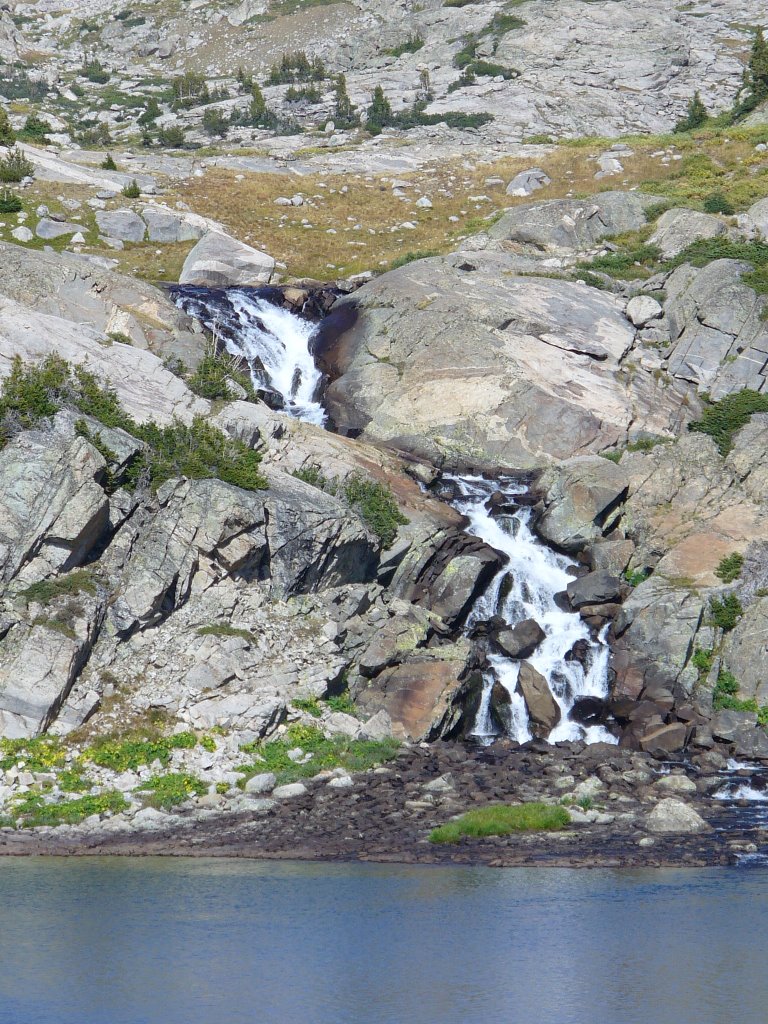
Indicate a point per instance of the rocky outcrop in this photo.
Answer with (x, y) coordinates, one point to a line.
(457, 359)
(582, 499)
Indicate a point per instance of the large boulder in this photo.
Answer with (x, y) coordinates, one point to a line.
(543, 709)
(563, 225)
(423, 695)
(674, 817)
(521, 640)
(219, 261)
(679, 228)
(582, 496)
(598, 587)
(458, 359)
(124, 225)
(166, 226)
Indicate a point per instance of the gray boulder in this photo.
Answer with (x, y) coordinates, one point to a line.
(218, 261)
(526, 182)
(164, 225)
(642, 309)
(49, 229)
(677, 229)
(543, 709)
(674, 817)
(125, 225)
(597, 587)
(582, 496)
(572, 224)
(521, 640)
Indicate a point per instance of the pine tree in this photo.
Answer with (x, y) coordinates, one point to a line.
(379, 113)
(695, 117)
(754, 88)
(108, 163)
(345, 113)
(7, 134)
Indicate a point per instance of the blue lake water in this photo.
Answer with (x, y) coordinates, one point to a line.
(166, 941)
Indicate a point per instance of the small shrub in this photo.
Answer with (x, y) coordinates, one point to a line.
(108, 163)
(337, 752)
(214, 376)
(376, 506)
(132, 190)
(412, 44)
(696, 115)
(412, 257)
(702, 661)
(95, 71)
(9, 202)
(297, 67)
(635, 577)
(309, 705)
(502, 820)
(134, 751)
(726, 612)
(7, 134)
(307, 93)
(224, 629)
(35, 129)
(14, 166)
(33, 811)
(342, 703)
(730, 567)
(80, 581)
(722, 420)
(716, 202)
(172, 789)
(379, 115)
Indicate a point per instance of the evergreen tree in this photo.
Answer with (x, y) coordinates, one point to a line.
(260, 115)
(7, 134)
(756, 74)
(345, 113)
(379, 113)
(108, 163)
(695, 117)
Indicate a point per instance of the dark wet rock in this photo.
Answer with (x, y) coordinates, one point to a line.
(521, 640)
(542, 707)
(596, 588)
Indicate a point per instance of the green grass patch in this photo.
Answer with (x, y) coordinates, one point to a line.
(412, 44)
(170, 790)
(81, 581)
(131, 752)
(503, 820)
(42, 754)
(32, 810)
(224, 629)
(412, 257)
(337, 752)
(723, 419)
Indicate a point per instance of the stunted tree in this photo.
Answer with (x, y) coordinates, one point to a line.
(7, 134)
(379, 113)
(755, 83)
(345, 113)
(696, 116)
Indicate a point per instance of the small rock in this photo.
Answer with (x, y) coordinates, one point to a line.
(263, 783)
(289, 791)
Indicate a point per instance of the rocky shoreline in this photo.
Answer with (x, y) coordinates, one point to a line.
(627, 810)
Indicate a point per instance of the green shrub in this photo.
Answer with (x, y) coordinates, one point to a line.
(108, 163)
(376, 506)
(133, 751)
(215, 122)
(200, 451)
(337, 752)
(132, 190)
(308, 93)
(172, 137)
(309, 705)
(695, 117)
(14, 166)
(730, 567)
(503, 23)
(32, 810)
(172, 789)
(412, 44)
(502, 820)
(635, 577)
(343, 703)
(9, 202)
(379, 115)
(411, 257)
(224, 629)
(214, 376)
(702, 661)
(716, 202)
(95, 71)
(35, 129)
(42, 754)
(7, 134)
(723, 419)
(726, 612)
(297, 67)
(81, 581)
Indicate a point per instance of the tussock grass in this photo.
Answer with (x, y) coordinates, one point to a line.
(502, 820)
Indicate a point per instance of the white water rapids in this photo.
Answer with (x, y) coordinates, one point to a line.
(277, 347)
(274, 342)
(525, 588)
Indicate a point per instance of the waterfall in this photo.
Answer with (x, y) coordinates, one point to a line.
(275, 343)
(525, 588)
(277, 346)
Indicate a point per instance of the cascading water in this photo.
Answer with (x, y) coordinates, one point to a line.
(525, 588)
(277, 347)
(275, 343)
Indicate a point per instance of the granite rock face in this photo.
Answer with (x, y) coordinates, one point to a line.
(219, 261)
